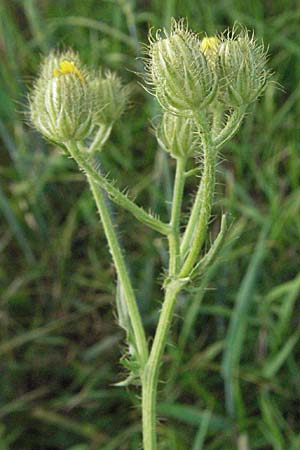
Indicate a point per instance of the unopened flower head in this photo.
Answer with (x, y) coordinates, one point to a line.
(110, 97)
(178, 71)
(242, 64)
(177, 135)
(61, 101)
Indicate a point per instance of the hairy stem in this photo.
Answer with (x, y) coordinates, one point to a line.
(190, 230)
(151, 372)
(192, 226)
(122, 273)
(174, 236)
(197, 227)
(210, 148)
(120, 265)
(118, 197)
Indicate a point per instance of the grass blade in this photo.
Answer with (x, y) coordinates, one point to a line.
(238, 323)
(202, 432)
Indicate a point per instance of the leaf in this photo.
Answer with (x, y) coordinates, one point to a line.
(238, 323)
(130, 359)
(211, 255)
(193, 416)
(202, 431)
(270, 424)
(273, 365)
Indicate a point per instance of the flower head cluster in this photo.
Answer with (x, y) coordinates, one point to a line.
(67, 101)
(187, 74)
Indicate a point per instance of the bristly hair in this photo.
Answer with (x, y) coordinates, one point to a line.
(177, 27)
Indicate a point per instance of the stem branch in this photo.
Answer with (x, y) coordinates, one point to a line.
(114, 193)
(174, 236)
(198, 223)
(120, 265)
(122, 273)
(151, 372)
(209, 159)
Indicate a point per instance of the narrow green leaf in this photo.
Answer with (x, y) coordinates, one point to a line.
(270, 426)
(202, 431)
(272, 366)
(238, 323)
(193, 416)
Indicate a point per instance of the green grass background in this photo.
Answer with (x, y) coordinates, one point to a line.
(231, 377)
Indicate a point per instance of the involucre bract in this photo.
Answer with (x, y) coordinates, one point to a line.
(177, 135)
(110, 97)
(242, 69)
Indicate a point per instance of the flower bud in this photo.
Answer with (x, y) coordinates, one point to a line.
(177, 135)
(243, 73)
(178, 71)
(110, 97)
(61, 102)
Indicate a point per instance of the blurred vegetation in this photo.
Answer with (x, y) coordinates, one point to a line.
(233, 379)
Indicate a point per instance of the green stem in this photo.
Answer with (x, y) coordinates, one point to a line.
(117, 196)
(191, 228)
(150, 376)
(120, 265)
(121, 269)
(201, 212)
(192, 223)
(151, 372)
(227, 133)
(174, 236)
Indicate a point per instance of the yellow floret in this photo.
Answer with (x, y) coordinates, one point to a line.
(209, 44)
(66, 67)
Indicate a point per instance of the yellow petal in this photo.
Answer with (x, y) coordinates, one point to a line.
(66, 67)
